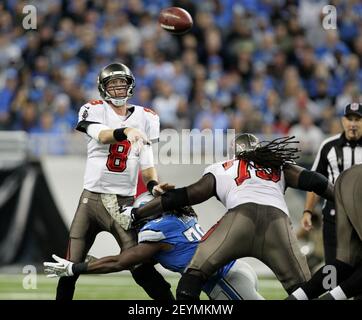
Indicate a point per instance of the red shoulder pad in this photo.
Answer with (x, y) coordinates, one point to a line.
(150, 111)
(95, 102)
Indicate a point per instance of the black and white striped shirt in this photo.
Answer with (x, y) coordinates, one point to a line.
(337, 154)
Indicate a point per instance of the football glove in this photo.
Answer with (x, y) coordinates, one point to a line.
(61, 268)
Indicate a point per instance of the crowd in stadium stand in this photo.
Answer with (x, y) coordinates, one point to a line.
(261, 66)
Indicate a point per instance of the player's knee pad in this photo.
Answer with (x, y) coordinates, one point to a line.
(242, 284)
(152, 282)
(244, 271)
(189, 287)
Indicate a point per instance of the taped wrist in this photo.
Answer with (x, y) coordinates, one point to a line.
(312, 181)
(79, 268)
(173, 199)
(150, 185)
(119, 135)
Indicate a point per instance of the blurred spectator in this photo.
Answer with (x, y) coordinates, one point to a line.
(46, 124)
(181, 82)
(143, 97)
(350, 93)
(65, 119)
(7, 94)
(309, 136)
(169, 106)
(127, 32)
(26, 118)
(310, 12)
(333, 50)
(212, 118)
(9, 51)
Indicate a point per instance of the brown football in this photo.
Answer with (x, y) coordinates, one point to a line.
(175, 20)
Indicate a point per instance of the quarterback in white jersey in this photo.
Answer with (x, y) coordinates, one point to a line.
(257, 224)
(119, 139)
(113, 168)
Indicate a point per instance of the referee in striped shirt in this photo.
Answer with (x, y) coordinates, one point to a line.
(335, 155)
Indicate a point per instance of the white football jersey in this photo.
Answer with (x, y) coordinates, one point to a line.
(114, 168)
(238, 182)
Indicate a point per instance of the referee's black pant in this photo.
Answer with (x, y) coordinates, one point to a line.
(329, 233)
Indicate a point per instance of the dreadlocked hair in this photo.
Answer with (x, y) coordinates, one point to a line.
(273, 154)
(185, 211)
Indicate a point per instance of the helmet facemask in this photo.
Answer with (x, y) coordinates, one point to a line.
(119, 92)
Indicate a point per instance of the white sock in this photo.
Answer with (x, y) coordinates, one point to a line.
(338, 294)
(299, 294)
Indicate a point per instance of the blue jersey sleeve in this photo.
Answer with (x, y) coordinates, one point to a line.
(183, 233)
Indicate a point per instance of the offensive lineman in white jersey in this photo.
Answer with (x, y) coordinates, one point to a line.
(119, 138)
(257, 223)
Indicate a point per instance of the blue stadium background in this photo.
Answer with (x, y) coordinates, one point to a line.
(260, 66)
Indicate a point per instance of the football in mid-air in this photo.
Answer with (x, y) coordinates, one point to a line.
(175, 20)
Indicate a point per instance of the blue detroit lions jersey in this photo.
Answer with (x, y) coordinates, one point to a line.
(184, 233)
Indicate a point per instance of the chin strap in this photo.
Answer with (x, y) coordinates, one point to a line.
(118, 102)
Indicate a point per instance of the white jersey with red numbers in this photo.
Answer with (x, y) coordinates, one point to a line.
(113, 168)
(238, 182)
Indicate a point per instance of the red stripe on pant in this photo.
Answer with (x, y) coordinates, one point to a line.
(67, 257)
(211, 230)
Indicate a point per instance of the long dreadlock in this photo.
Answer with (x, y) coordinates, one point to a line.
(146, 197)
(185, 211)
(273, 154)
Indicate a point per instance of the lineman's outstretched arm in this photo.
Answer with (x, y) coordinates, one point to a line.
(195, 193)
(303, 179)
(124, 261)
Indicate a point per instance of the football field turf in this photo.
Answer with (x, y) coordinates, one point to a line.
(103, 287)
